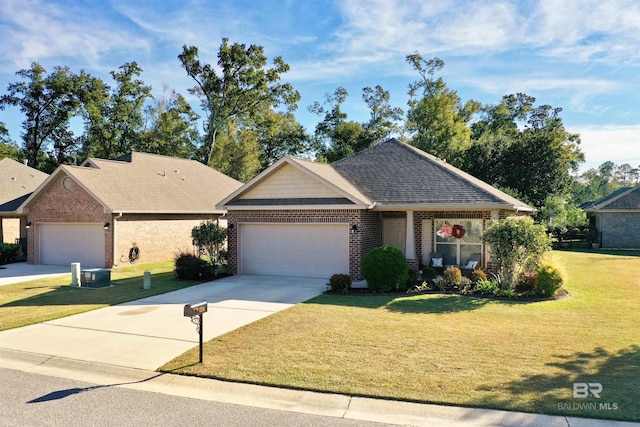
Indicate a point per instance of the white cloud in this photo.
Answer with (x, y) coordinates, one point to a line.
(34, 30)
(616, 143)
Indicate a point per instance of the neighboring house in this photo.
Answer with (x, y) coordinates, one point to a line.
(105, 213)
(617, 218)
(17, 182)
(302, 218)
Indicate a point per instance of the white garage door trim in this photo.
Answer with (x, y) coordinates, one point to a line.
(64, 243)
(283, 249)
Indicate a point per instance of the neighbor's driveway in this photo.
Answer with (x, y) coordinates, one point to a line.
(147, 333)
(23, 272)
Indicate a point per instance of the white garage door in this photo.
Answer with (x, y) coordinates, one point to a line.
(62, 244)
(306, 250)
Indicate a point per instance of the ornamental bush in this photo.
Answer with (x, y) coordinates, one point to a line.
(453, 276)
(517, 245)
(548, 281)
(340, 282)
(385, 269)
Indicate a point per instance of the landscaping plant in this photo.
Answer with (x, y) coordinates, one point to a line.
(517, 244)
(385, 269)
(210, 236)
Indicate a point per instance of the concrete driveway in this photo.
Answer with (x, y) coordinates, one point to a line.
(23, 272)
(147, 333)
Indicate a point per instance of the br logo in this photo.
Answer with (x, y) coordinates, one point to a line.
(583, 390)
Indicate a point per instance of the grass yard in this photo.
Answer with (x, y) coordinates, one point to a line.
(40, 300)
(454, 350)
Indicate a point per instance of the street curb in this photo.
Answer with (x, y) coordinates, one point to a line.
(307, 402)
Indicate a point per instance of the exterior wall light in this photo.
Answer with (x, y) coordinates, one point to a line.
(28, 226)
(230, 227)
(106, 225)
(354, 228)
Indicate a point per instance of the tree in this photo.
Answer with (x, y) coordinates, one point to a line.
(241, 86)
(278, 134)
(517, 244)
(172, 127)
(336, 138)
(48, 103)
(437, 117)
(540, 162)
(210, 236)
(384, 119)
(523, 147)
(114, 119)
(236, 153)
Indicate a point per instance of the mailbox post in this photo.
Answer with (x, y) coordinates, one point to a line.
(195, 312)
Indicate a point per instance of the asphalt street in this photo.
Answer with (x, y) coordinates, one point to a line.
(28, 399)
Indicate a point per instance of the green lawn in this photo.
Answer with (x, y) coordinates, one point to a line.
(454, 350)
(40, 300)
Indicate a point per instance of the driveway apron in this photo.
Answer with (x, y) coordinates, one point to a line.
(147, 333)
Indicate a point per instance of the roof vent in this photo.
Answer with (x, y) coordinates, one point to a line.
(13, 178)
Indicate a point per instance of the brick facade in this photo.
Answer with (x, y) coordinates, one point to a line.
(619, 230)
(158, 237)
(61, 205)
(367, 237)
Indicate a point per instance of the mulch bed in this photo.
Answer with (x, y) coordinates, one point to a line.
(367, 292)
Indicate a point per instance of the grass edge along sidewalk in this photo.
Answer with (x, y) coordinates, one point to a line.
(40, 300)
(454, 350)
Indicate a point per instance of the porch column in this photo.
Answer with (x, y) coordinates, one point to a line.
(410, 238)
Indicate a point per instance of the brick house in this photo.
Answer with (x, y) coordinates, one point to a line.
(17, 182)
(311, 219)
(617, 218)
(105, 213)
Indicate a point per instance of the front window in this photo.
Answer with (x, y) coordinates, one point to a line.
(457, 239)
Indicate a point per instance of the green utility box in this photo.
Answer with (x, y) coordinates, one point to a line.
(95, 278)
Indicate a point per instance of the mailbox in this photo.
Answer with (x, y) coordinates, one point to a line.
(192, 310)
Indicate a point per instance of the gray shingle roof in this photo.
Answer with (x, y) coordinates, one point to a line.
(151, 183)
(626, 198)
(396, 174)
(17, 182)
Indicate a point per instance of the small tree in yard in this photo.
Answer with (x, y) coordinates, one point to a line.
(517, 244)
(210, 236)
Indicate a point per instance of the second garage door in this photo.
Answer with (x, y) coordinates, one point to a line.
(62, 244)
(306, 250)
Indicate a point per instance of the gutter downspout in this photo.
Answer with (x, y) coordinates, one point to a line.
(115, 220)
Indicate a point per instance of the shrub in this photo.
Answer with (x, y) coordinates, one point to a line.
(527, 281)
(486, 287)
(429, 273)
(210, 236)
(548, 281)
(517, 244)
(8, 252)
(191, 267)
(385, 269)
(453, 276)
(477, 275)
(340, 282)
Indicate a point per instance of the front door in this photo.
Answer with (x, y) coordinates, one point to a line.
(394, 233)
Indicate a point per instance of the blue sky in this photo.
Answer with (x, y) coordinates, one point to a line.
(583, 56)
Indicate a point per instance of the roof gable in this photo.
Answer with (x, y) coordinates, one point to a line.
(296, 182)
(397, 175)
(149, 183)
(623, 199)
(17, 182)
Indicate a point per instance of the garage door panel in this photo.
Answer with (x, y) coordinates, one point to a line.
(311, 250)
(63, 244)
